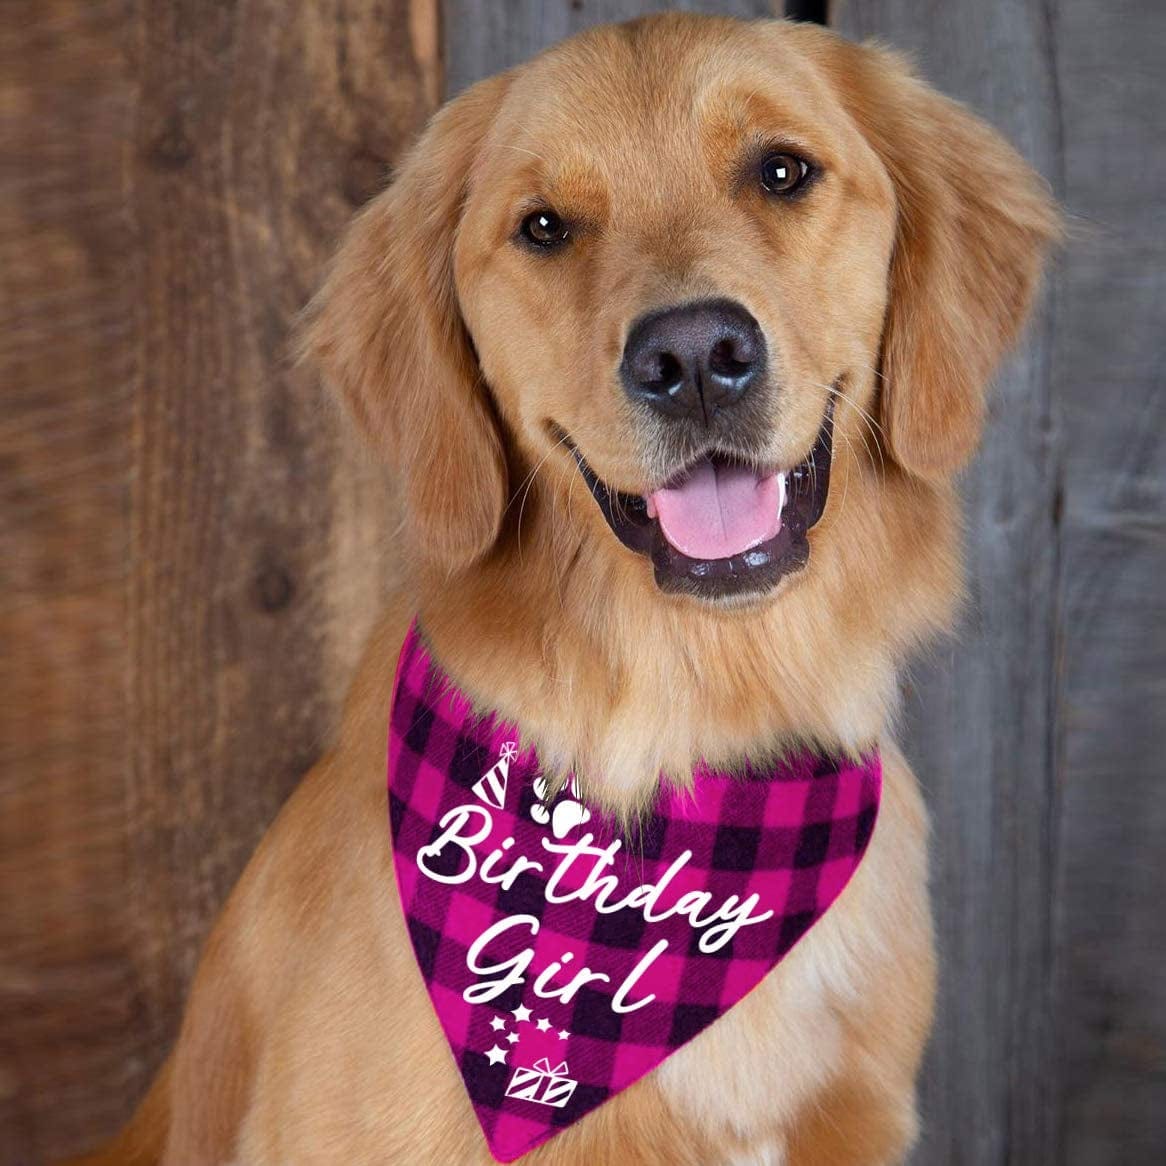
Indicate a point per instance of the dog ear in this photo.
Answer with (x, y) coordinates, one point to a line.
(386, 331)
(974, 224)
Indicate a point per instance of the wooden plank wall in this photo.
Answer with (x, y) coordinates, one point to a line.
(1041, 734)
(1109, 938)
(190, 548)
(980, 719)
(191, 553)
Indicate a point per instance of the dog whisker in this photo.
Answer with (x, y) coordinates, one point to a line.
(872, 370)
(843, 395)
(530, 477)
(846, 480)
(520, 150)
(871, 424)
(529, 484)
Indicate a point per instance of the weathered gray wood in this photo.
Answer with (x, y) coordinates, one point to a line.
(1041, 733)
(978, 725)
(1049, 1046)
(1110, 383)
(180, 614)
(486, 36)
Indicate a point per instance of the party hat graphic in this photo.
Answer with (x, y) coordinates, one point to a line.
(491, 787)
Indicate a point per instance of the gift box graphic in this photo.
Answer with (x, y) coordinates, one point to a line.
(542, 1083)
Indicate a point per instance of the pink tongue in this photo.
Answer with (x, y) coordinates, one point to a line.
(719, 511)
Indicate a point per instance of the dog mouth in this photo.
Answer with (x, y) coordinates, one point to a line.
(722, 527)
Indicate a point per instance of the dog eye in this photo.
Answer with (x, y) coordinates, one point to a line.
(544, 228)
(783, 173)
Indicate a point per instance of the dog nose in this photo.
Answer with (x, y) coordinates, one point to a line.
(693, 360)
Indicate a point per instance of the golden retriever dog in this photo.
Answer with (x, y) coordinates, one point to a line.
(678, 247)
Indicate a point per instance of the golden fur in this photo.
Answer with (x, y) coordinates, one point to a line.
(901, 281)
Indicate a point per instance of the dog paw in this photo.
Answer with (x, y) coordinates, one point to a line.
(564, 814)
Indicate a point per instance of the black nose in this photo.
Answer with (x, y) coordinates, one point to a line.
(693, 360)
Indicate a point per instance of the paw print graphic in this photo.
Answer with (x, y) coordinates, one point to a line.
(564, 814)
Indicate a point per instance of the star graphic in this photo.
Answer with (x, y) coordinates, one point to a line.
(497, 1056)
(512, 1037)
(521, 1012)
(544, 1025)
(497, 1023)
(563, 1034)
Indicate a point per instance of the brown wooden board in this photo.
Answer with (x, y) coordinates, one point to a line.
(192, 546)
(70, 1005)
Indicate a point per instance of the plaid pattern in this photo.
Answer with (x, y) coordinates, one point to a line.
(540, 1043)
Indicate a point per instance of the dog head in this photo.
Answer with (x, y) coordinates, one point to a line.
(682, 258)
(701, 311)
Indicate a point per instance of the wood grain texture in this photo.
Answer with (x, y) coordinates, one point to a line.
(483, 37)
(1040, 734)
(69, 1002)
(978, 725)
(193, 546)
(1109, 989)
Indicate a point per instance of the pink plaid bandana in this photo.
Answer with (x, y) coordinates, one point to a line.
(565, 960)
